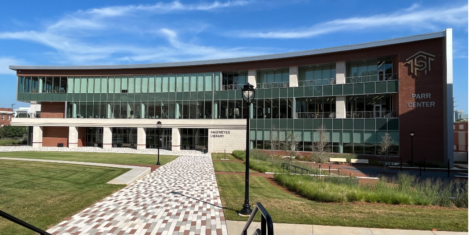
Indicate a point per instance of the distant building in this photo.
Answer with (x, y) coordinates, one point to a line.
(6, 114)
(458, 114)
(461, 141)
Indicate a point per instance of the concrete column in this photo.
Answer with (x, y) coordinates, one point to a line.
(293, 76)
(73, 137)
(141, 138)
(252, 77)
(107, 138)
(175, 139)
(37, 136)
(341, 72)
(340, 106)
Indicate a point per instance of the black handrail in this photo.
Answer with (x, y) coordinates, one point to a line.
(286, 166)
(266, 221)
(22, 223)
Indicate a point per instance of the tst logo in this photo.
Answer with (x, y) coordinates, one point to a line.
(420, 61)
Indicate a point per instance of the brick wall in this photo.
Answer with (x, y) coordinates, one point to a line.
(52, 135)
(6, 117)
(81, 136)
(52, 109)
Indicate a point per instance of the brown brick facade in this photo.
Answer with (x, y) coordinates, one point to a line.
(52, 109)
(51, 136)
(5, 116)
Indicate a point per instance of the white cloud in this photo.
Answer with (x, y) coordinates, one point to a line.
(412, 17)
(5, 62)
(83, 37)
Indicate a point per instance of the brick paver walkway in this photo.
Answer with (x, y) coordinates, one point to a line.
(180, 197)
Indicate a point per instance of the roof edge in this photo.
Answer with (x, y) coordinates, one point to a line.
(386, 42)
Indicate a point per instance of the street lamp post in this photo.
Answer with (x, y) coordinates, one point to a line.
(248, 94)
(412, 161)
(159, 125)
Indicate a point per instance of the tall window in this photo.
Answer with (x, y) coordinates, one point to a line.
(271, 78)
(377, 69)
(233, 80)
(316, 75)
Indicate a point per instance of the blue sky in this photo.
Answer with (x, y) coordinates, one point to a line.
(128, 32)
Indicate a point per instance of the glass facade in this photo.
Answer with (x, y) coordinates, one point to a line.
(94, 136)
(277, 108)
(152, 142)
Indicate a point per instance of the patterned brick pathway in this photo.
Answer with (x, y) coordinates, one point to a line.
(180, 197)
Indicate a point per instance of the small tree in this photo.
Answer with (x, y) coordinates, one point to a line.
(320, 147)
(12, 131)
(385, 146)
(274, 140)
(290, 144)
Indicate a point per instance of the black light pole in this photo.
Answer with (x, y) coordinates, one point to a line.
(159, 125)
(248, 94)
(412, 161)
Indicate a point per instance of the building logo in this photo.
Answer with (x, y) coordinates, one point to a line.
(420, 61)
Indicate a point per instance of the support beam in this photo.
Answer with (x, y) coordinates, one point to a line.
(252, 77)
(340, 107)
(341, 72)
(73, 137)
(107, 138)
(293, 76)
(141, 138)
(37, 136)
(175, 139)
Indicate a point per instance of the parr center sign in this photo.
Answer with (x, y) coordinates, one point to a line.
(421, 104)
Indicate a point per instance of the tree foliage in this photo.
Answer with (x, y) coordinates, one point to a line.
(320, 147)
(12, 131)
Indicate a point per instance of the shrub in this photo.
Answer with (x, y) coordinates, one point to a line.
(9, 142)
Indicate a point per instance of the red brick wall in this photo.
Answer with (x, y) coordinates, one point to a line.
(456, 127)
(52, 135)
(426, 122)
(52, 109)
(5, 118)
(81, 136)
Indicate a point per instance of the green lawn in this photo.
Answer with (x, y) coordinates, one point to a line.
(230, 166)
(287, 208)
(44, 194)
(219, 156)
(116, 158)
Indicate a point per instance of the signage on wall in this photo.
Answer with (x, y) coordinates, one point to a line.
(421, 104)
(421, 61)
(219, 134)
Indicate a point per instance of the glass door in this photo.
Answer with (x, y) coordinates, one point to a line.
(377, 111)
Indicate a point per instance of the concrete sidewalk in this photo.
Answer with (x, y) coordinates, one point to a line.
(236, 227)
(136, 172)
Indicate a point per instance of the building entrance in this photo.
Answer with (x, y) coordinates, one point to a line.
(151, 136)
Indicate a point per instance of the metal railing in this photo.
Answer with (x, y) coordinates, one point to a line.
(318, 82)
(370, 78)
(232, 87)
(296, 169)
(272, 85)
(371, 114)
(22, 223)
(267, 226)
(301, 115)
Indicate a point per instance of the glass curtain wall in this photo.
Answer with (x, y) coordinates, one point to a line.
(152, 138)
(234, 80)
(371, 106)
(194, 138)
(317, 75)
(371, 70)
(94, 137)
(124, 137)
(273, 78)
(317, 107)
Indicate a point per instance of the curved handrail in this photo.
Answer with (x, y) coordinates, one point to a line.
(266, 221)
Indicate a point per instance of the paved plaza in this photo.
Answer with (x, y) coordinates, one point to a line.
(180, 197)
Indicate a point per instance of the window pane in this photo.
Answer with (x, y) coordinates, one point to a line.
(97, 85)
(165, 84)
(200, 82)
(172, 81)
(111, 85)
(124, 85)
(208, 82)
(131, 88)
(138, 85)
(145, 84)
(193, 82)
(217, 81)
(77, 85)
(117, 85)
(83, 84)
(69, 85)
(179, 83)
(158, 84)
(104, 85)
(152, 84)
(186, 82)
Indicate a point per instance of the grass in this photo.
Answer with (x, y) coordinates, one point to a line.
(44, 194)
(8, 142)
(220, 156)
(287, 208)
(262, 162)
(230, 167)
(114, 158)
(406, 190)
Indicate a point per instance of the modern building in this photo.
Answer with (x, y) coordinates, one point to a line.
(460, 141)
(6, 115)
(459, 114)
(357, 92)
